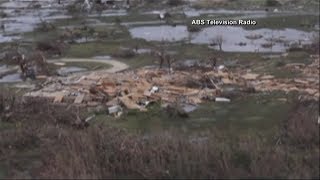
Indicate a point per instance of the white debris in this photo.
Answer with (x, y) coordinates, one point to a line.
(221, 67)
(90, 118)
(221, 99)
(154, 89)
(162, 15)
(114, 109)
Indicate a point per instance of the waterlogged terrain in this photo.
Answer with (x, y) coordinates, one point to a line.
(233, 37)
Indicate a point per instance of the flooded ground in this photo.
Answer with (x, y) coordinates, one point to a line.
(160, 33)
(23, 16)
(191, 12)
(8, 74)
(11, 78)
(64, 71)
(233, 37)
(4, 38)
(3, 68)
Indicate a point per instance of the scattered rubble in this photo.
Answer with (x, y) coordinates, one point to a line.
(221, 99)
(308, 83)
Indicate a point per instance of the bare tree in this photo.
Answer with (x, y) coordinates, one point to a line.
(213, 61)
(161, 57)
(218, 40)
(160, 53)
(315, 42)
(164, 57)
(170, 60)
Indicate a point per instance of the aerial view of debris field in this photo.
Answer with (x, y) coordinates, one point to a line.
(101, 89)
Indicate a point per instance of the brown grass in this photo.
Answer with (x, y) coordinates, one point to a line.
(103, 152)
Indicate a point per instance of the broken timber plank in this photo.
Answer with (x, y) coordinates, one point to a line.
(58, 98)
(130, 104)
(79, 99)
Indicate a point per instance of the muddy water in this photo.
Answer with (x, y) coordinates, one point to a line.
(159, 33)
(7, 75)
(232, 36)
(11, 78)
(64, 71)
(194, 12)
(235, 35)
(191, 12)
(8, 38)
(3, 68)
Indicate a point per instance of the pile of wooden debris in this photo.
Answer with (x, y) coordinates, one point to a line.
(135, 89)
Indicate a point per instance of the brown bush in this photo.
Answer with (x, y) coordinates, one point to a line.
(302, 128)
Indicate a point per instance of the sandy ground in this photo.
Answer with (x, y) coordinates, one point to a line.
(116, 65)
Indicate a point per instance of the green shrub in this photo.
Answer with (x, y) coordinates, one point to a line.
(272, 3)
(175, 2)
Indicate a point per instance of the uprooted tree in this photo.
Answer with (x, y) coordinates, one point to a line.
(32, 65)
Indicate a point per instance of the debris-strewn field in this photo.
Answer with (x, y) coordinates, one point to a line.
(134, 89)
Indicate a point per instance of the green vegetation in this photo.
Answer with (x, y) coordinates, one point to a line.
(255, 112)
(272, 3)
(274, 66)
(92, 49)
